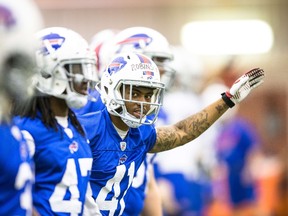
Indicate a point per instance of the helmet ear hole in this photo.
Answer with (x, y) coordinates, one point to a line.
(44, 74)
(106, 90)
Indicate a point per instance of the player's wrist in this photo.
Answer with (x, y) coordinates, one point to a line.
(226, 96)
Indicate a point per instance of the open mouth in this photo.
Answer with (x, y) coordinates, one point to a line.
(138, 114)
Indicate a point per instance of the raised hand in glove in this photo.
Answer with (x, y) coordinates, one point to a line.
(243, 86)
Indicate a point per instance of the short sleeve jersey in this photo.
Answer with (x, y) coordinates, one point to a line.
(115, 161)
(62, 168)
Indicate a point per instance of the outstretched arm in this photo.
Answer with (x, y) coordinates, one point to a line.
(184, 131)
(170, 137)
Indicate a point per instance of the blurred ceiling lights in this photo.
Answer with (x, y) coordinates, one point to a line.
(227, 37)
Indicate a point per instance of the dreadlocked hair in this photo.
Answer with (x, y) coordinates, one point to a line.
(42, 104)
(75, 122)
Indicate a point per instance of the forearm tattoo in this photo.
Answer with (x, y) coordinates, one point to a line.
(188, 129)
(221, 108)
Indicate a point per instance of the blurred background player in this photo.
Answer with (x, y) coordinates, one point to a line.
(237, 146)
(16, 68)
(97, 41)
(61, 151)
(143, 40)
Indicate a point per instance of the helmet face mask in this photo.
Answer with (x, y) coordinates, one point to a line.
(131, 91)
(77, 75)
(64, 62)
(132, 82)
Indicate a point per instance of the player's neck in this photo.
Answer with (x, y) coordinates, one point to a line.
(62, 120)
(59, 106)
(117, 122)
(121, 133)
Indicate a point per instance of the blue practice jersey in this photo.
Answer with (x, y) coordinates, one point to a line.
(16, 173)
(138, 190)
(94, 104)
(115, 161)
(62, 166)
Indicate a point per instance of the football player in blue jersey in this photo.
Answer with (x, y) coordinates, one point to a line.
(16, 68)
(60, 149)
(150, 42)
(144, 190)
(121, 134)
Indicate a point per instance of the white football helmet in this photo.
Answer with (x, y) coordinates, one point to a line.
(19, 21)
(131, 70)
(61, 48)
(146, 41)
(97, 41)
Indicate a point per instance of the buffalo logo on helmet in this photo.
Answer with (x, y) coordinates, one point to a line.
(116, 65)
(138, 41)
(7, 19)
(55, 41)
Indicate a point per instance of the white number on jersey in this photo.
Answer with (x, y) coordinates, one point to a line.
(70, 181)
(24, 174)
(111, 205)
(140, 176)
